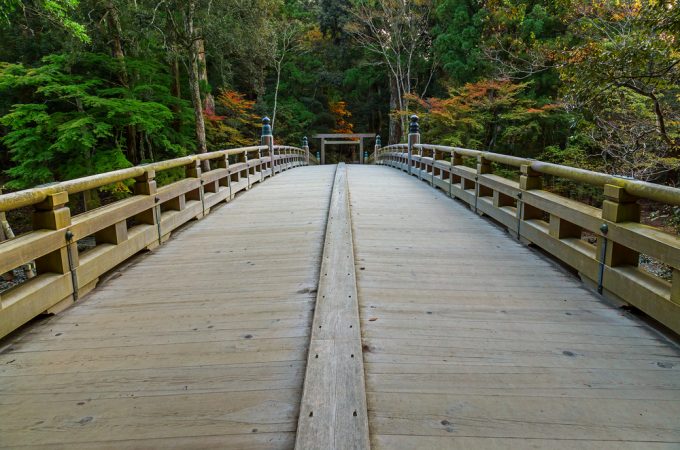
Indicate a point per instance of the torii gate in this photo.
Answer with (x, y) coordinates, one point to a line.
(352, 136)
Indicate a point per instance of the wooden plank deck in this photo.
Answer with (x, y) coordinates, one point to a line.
(200, 344)
(472, 340)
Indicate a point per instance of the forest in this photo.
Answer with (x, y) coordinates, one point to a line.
(88, 86)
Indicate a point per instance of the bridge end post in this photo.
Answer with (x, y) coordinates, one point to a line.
(268, 140)
(413, 139)
(378, 146)
(305, 147)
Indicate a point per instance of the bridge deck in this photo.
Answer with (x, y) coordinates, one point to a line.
(470, 340)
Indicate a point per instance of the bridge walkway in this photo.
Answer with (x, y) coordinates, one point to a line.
(200, 343)
(474, 341)
(469, 339)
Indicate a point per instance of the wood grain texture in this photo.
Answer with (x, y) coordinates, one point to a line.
(200, 344)
(472, 340)
(333, 411)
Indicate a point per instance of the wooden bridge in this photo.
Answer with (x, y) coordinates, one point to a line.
(341, 307)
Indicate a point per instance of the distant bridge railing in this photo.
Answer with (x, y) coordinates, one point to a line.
(120, 229)
(556, 223)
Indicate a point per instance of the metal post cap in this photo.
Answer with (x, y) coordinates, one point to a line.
(305, 143)
(266, 127)
(414, 127)
(378, 141)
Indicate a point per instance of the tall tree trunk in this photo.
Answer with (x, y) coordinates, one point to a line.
(113, 22)
(201, 145)
(208, 99)
(395, 121)
(194, 83)
(176, 91)
(276, 92)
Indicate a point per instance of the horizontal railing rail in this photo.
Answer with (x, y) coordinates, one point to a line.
(117, 231)
(557, 224)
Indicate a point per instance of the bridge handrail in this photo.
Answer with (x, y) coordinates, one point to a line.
(28, 197)
(638, 188)
(119, 230)
(559, 224)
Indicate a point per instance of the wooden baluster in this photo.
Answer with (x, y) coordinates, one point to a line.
(193, 170)
(562, 229)
(243, 157)
(434, 159)
(528, 180)
(223, 163)
(145, 184)
(114, 234)
(456, 180)
(483, 167)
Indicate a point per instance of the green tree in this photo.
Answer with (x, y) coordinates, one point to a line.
(76, 121)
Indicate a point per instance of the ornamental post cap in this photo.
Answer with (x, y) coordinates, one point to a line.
(378, 141)
(266, 127)
(414, 127)
(305, 142)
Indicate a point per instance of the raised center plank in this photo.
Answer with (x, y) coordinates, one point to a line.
(333, 412)
(200, 344)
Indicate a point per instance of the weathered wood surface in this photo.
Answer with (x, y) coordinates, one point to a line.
(201, 344)
(333, 409)
(472, 340)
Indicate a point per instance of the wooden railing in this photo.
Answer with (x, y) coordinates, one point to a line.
(144, 220)
(556, 223)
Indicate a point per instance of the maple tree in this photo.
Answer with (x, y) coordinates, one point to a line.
(234, 123)
(341, 115)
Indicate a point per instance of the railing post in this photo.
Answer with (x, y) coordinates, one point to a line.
(53, 214)
(305, 147)
(268, 140)
(413, 139)
(193, 170)
(528, 180)
(223, 163)
(483, 167)
(378, 145)
(145, 184)
(618, 206)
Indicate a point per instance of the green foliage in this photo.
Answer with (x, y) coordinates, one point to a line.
(75, 122)
(459, 29)
(56, 11)
(623, 69)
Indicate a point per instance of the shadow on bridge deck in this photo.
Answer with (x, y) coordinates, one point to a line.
(470, 339)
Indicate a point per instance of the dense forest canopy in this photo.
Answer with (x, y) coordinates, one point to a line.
(94, 85)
